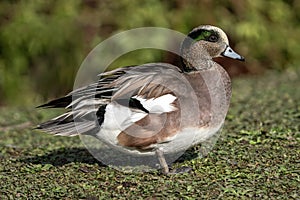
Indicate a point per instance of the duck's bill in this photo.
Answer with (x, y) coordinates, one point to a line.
(232, 54)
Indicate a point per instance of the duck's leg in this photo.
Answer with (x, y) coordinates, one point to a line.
(165, 167)
(162, 161)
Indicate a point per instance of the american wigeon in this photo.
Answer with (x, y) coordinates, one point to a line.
(155, 108)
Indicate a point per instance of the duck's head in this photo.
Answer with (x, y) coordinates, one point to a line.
(204, 43)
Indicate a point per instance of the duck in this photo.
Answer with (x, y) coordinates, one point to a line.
(154, 108)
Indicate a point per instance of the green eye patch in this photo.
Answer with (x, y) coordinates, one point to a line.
(203, 36)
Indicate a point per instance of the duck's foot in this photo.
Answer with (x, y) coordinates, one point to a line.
(181, 170)
(165, 167)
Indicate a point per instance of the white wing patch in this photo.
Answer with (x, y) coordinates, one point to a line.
(116, 119)
(120, 117)
(158, 105)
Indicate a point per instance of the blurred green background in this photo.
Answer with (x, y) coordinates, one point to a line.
(42, 43)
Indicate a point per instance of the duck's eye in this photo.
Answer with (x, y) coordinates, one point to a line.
(213, 38)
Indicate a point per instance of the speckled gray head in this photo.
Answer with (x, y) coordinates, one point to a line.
(204, 43)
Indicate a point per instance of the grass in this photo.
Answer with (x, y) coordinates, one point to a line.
(256, 157)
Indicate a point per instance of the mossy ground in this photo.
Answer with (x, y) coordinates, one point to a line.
(257, 155)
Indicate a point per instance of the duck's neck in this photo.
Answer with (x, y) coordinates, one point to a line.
(194, 62)
(195, 58)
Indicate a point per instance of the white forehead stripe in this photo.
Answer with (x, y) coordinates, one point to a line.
(158, 105)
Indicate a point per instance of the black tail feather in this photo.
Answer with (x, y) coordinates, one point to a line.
(57, 103)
